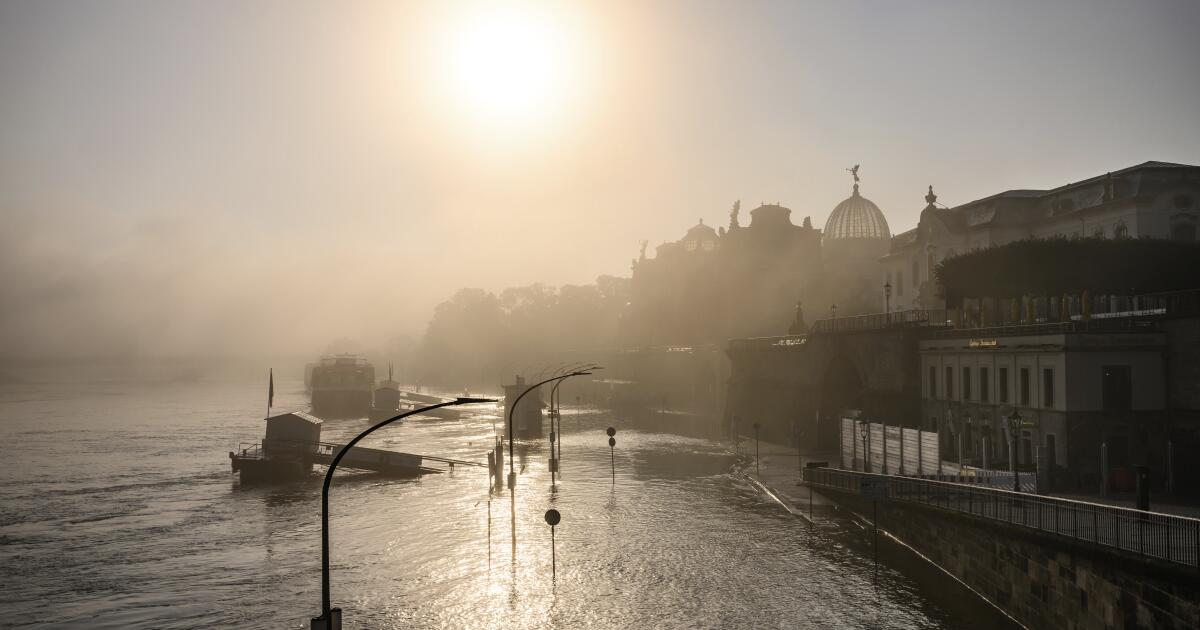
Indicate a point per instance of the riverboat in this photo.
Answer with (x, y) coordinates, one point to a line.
(342, 387)
(387, 399)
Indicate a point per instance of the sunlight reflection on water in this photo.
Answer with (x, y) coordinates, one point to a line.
(119, 511)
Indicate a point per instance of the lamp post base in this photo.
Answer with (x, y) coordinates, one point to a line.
(512, 480)
(332, 622)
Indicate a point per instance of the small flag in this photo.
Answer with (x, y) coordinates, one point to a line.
(271, 391)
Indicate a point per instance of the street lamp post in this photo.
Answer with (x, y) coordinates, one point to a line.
(1014, 425)
(556, 415)
(887, 298)
(865, 429)
(512, 473)
(330, 618)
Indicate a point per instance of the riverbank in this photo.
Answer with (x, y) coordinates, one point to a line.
(775, 470)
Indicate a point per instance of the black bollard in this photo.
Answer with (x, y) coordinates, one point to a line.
(553, 459)
(1143, 488)
(552, 519)
(757, 470)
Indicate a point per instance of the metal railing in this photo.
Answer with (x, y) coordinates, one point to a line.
(879, 321)
(1167, 537)
(329, 449)
(1051, 328)
(785, 342)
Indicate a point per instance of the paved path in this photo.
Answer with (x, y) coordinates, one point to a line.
(778, 470)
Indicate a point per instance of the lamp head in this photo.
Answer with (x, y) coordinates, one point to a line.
(472, 401)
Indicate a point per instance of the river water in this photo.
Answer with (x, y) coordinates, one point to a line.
(118, 510)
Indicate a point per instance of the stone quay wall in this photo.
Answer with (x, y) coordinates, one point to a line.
(1042, 580)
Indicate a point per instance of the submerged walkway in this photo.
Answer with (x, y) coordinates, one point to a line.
(778, 470)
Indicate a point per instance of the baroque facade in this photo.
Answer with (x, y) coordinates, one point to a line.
(746, 280)
(1150, 200)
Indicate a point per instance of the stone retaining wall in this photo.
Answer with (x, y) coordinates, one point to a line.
(1042, 580)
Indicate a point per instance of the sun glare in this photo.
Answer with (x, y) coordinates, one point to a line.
(509, 62)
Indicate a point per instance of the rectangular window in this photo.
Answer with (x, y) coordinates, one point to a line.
(949, 383)
(933, 381)
(916, 273)
(1024, 391)
(966, 383)
(1003, 384)
(899, 283)
(1116, 388)
(1047, 387)
(985, 386)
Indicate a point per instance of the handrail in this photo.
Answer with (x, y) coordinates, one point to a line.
(1169, 537)
(334, 447)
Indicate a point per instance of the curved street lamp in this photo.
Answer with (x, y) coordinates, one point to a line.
(512, 473)
(556, 415)
(326, 621)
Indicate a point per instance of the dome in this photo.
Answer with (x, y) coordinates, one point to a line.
(856, 217)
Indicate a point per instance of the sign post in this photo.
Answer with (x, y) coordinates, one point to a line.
(612, 456)
(552, 519)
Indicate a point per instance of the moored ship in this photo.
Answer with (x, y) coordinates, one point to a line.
(342, 387)
(387, 399)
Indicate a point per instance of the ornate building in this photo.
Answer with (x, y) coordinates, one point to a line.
(856, 236)
(745, 280)
(1151, 200)
(712, 285)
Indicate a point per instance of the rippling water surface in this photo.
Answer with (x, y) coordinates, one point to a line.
(118, 510)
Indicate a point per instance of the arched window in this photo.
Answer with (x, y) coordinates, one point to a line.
(1121, 231)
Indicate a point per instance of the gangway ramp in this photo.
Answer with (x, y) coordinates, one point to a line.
(391, 463)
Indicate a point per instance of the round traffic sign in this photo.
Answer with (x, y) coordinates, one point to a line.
(611, 431)
(553, 517)
(612, 441)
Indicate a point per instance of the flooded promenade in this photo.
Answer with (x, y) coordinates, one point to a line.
(144, 527)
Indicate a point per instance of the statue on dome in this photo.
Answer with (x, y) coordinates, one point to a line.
(854, 172)
(798, 327)
(733, 214)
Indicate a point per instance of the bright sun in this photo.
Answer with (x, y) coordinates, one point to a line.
(510, 62)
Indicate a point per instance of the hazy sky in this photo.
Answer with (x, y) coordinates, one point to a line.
(263, 177)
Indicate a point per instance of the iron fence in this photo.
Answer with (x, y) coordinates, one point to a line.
(879, 321)
(1163, 536)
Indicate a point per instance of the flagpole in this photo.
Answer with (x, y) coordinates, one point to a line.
(270, 391)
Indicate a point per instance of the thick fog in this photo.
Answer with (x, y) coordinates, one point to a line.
(197, 179)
